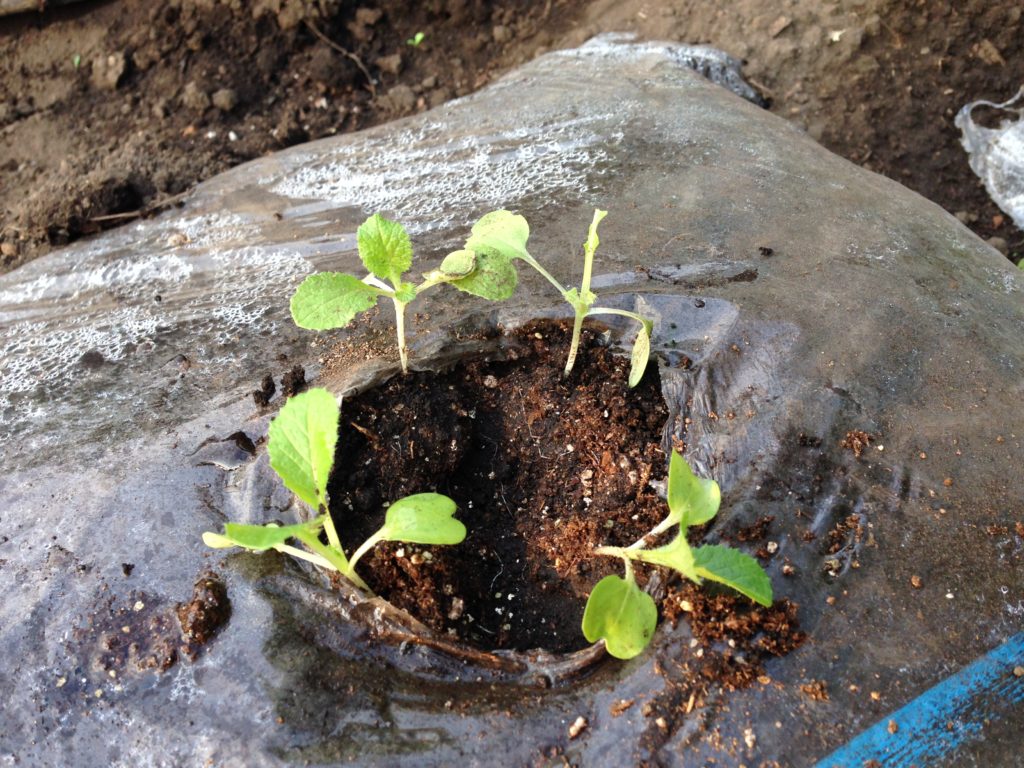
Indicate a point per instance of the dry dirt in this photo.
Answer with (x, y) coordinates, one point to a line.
(109, 110)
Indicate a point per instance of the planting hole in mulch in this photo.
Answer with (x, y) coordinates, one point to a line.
(543, 469)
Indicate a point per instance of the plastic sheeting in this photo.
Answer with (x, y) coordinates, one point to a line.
(812, 297)
(997, 154)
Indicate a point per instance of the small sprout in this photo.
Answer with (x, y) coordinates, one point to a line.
(500, 237)
(301, 448)
(329, 300)
(415, 40)
(76, 61)
(616, 611)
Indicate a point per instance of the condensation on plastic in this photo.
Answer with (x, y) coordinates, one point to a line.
(996, 155)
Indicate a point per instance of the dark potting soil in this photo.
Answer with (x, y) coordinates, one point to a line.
(543, 469)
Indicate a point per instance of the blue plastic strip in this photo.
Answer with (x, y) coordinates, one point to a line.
(936, 723)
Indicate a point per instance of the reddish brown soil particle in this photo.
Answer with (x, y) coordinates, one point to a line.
(848, 531)
(816, 690)
(543, 470)
(755, 532)
(856, 440)
(207, 611)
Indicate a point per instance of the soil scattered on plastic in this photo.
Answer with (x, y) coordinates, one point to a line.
(202, 616)
(140, 633)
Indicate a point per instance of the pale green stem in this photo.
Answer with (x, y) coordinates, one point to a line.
(334, 556)
(632, 552)
(428, 284)
(332, 533)
(577, 328)
(403, 353)
(302, 554)
(611, 311)
(365, 547)
(547, 275)
(629, 569)
(588, 268)
(663, 526)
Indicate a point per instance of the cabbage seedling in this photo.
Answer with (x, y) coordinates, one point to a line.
(301, 448)
(626, 616)
(329, 300)
(502, 236)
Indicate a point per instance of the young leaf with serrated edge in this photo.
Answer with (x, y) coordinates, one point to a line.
(692, 500)
(423, 518)
(301, 447)
(384, 247)
(258, 537)
(734, 569)
(641, 353)
(621, 613)
(330, 300)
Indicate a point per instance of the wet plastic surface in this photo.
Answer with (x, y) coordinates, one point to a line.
(812, 297)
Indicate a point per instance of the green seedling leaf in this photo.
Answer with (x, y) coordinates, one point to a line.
(494, 277)
(330, 300)
(734, 569)
(621, 613)
(458, 263)
(677, 555)
(423, 518)
(502, 232)
(415, 40)
(384, 247)
(259, 537)
(405, 292)
(641, 353)
(692, 500)
(301, 447)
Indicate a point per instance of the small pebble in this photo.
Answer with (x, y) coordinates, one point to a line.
(578, 727)
(915, 582)
(1018, 671)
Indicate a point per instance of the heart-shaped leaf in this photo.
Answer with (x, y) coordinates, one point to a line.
(302, 440)
(384, 247)
(734, 569)
(503, 232)
(330, 300)
(423, 518)
(621, 613)
(692, 500)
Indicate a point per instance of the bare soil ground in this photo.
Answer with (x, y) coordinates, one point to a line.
(110, 109)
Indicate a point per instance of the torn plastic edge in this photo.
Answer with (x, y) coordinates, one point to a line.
(996, 155)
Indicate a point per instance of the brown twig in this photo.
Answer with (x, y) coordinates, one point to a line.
(344, 52)
(149, 209)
